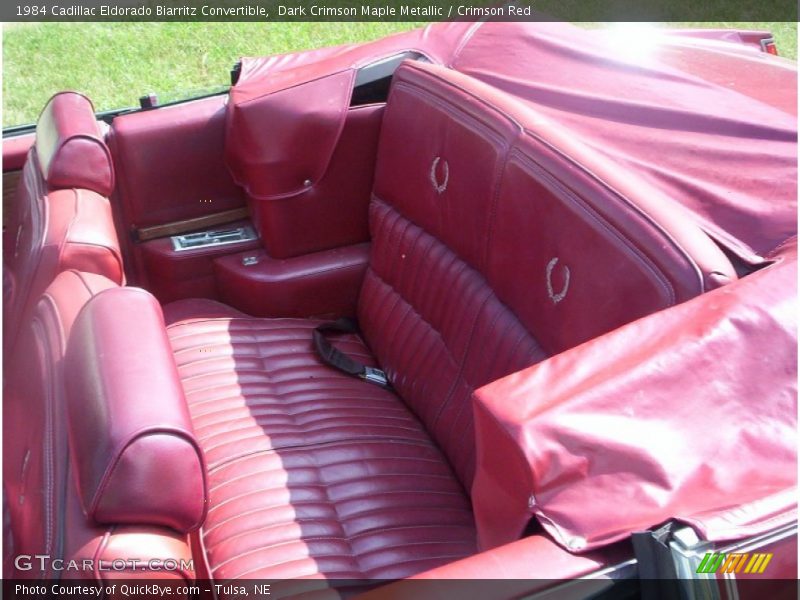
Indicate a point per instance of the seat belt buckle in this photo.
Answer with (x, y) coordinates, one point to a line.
(376, 376)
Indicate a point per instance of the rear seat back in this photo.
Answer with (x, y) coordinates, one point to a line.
(493, 250)
(61, 217)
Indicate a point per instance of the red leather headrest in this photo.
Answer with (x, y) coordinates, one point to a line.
(70, 147)
(133, 451)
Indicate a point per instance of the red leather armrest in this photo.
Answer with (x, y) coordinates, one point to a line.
(133, 450)
(322, 284)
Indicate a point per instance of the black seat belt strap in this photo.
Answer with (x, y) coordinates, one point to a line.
(334, 357)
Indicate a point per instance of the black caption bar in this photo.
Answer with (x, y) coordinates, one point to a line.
(394, 10)
(432, 589)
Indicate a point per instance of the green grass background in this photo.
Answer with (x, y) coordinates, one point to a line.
(115, 63)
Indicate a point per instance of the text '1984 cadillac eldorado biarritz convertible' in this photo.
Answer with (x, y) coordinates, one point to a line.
(475, 301)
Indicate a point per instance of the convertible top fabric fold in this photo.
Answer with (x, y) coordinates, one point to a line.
(689, 128)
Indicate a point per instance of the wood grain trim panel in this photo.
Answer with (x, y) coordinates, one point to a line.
(187, 225)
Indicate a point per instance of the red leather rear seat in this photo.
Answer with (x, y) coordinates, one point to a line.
(490, 251)
(310, 471)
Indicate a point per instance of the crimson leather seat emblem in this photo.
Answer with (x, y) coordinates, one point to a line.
(445, 173)
(556, 297)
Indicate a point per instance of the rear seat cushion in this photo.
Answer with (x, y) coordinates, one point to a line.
(310, 471)
(70, 147)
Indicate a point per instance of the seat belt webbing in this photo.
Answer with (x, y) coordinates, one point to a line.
(334, 357)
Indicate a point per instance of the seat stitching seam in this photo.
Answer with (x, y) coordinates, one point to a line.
(313, 445)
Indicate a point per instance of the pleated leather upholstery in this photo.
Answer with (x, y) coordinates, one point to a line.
(311, 472)
(438, 329)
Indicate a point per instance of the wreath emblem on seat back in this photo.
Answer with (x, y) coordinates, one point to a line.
(556, 297)
(439, 187)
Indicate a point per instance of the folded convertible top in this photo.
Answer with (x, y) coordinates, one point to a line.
(713, 129)
(689, 414)
(708, 126)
